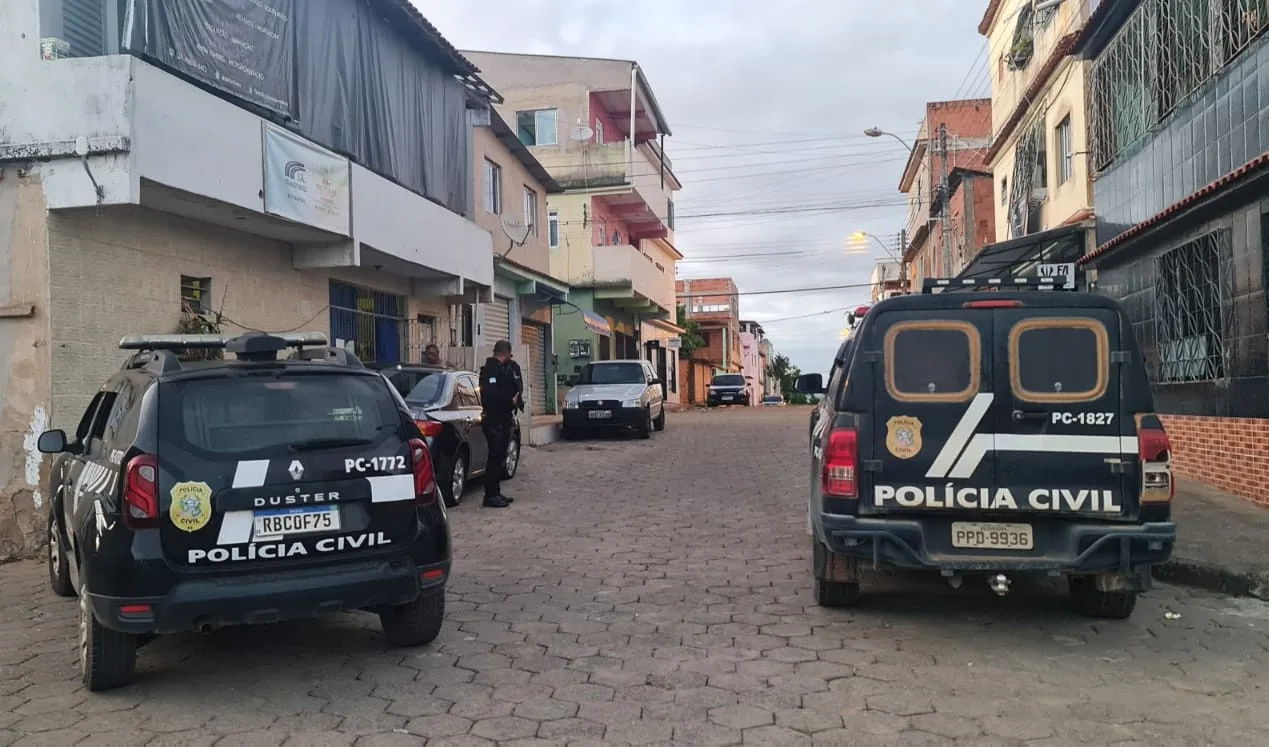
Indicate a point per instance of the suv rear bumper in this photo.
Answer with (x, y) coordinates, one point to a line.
(195, 604)
(1065, 546)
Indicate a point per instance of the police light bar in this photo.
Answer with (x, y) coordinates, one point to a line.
(190, 342)
(1049, 283)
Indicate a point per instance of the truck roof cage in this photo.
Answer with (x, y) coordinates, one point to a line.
(159, 352)
(929, 285)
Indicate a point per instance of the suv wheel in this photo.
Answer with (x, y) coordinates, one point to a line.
(659, 423)
(58, 565)
(454, 479)
(416, 623)
(836, 594)
(512, 463)
(1108, 605)
(645, 428)
(829, 593)
(107, 658)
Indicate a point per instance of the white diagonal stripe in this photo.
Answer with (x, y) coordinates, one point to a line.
(1041, 443)
(391, 488)
(960, 435)
(251, 474)
(235, 528)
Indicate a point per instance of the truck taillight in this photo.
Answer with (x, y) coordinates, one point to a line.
(141, 492)
(839, 475)
(1155, 450)
(424, 476)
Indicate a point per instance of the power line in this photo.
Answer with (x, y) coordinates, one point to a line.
(814, 289)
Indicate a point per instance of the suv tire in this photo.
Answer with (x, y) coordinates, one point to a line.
(107, 658)
(1107, 605)
(58, 565)
(416, 623)
(835, 594)
(659, 423)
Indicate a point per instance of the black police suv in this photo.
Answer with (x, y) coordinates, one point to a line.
(992, 434)
(200, 494)
(446, 407)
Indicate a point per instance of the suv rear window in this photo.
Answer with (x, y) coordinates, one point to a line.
(729, 380)
(269, 412)
(932, 361)
(1059, 360)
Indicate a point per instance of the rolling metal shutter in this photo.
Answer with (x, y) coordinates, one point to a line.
(84, 26)
(535, 338)
(497, 321)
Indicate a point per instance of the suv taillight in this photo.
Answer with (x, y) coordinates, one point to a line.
(838, 477)
(141, 492)
(424, 477)
(1155, 450)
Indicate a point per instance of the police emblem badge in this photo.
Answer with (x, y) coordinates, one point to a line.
(903, 436)
(191, 505)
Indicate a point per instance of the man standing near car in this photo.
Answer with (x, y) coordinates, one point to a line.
(519, 377)
(499, 399)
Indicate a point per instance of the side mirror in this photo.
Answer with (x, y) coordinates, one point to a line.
(52, 442)
(654, 382)
(809, 384)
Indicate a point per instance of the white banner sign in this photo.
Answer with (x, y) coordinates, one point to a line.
(306, 183)
(1059, 269)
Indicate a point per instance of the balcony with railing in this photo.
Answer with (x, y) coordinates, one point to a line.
(638, 187)
(630, 279)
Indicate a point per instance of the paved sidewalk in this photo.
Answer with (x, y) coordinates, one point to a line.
(1222, 542)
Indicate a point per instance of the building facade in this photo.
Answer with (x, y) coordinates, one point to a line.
(148, 184)
(752, 362)
(1179, 128)
(1037, 159)
(512, 189)
(597, 128)
(886, 280)
(941, 170)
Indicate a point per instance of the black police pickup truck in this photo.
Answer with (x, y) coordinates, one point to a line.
(991, 434)
(195, 495)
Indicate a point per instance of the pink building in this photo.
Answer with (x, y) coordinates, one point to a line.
(751, 337)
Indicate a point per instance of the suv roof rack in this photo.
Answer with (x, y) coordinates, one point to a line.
(929, 285)
(338, 356)
(159, 351)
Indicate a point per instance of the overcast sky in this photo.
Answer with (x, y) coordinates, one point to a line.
(767, 103)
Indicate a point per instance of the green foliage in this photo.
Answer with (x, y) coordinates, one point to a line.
(787, 374)
(690, 341)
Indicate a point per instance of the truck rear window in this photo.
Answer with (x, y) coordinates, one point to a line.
(1059, 360)
(932, 361)
(269, 413)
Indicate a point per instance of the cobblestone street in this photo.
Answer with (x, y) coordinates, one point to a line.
(655, 592)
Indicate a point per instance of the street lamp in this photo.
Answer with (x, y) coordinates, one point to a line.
(878, 132)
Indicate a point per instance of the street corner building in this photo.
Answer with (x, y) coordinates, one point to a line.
(1179, 130)
(155, 177)
(596, 127)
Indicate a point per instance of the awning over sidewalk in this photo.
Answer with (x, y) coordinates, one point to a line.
(1022, 257)
(532, 283)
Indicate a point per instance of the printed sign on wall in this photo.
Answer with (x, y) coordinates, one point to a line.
(306, 183)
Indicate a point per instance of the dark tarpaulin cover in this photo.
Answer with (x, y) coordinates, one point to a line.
(243, 47)
(355, 85)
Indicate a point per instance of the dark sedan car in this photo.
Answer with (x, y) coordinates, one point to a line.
(446, 405)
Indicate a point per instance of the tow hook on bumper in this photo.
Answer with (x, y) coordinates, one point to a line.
(999, 583)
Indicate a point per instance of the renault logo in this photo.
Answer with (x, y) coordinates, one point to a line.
(296, 469)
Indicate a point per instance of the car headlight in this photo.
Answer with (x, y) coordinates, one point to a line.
(631, 403)
(570, 403)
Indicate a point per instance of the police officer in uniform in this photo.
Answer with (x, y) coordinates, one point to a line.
(499, 399)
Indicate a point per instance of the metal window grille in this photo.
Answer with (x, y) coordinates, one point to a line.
(371, 323)
(1194, 310)
(1029, 178)
(1165, 51)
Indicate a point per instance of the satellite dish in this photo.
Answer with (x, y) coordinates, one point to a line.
(581, 133)
(515, 229)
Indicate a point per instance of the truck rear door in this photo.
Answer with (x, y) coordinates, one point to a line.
(1060, 444)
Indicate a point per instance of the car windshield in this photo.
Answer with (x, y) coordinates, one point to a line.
(267, 413)
(730, 380)
(771, 398)
(612, 373)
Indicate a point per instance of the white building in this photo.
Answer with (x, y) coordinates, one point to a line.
(149, 167)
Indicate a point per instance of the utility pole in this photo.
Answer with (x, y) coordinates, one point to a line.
(903, 262)
(945, 218)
